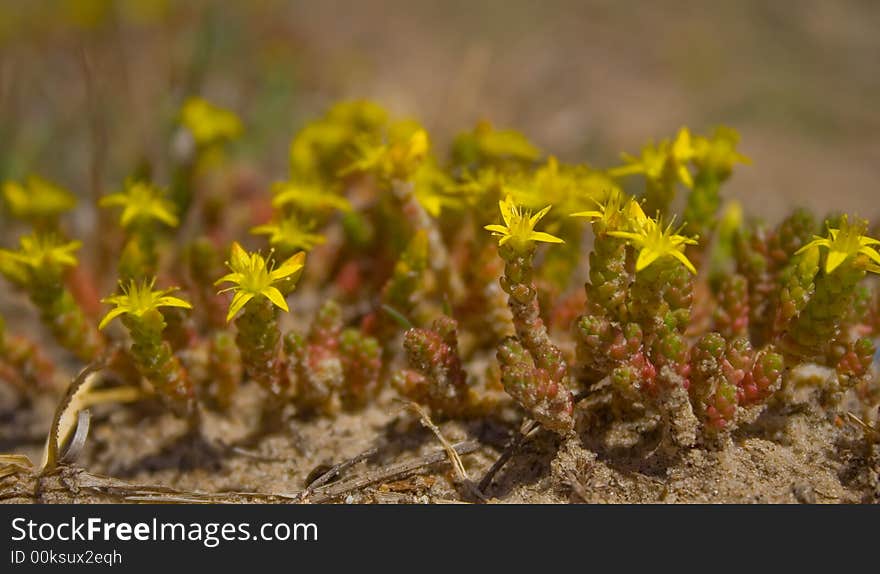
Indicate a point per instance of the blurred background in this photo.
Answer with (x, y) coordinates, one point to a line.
(88, 88)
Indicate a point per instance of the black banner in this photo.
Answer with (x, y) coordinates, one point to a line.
(295, 537)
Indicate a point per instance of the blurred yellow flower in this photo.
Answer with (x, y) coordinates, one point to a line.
(37, 198)
(208, 123)
(141, 202)
(290, 234)
(669, 157)
(308, 196)
(42, 251)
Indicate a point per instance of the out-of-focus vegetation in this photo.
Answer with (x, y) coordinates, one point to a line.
(89, 88)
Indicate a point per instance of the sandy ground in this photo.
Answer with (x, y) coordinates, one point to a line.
(793, 457)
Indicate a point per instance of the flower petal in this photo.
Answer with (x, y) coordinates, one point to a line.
(275, 296)
(129, 214)
(495, 228)
(293, 264)
(165, 216)
(637, 237)
(110, 316)
(112, 200)
(169, 301)
(684, 261)
(239, 300)
(545, 237)
(631, 169)
(685, 176)
(833, 261)
(508, 210)
(594, 214)
(646, 257)
(230, 278)
(238, 257)
(819, 241)
(871, 253)
(533, 220)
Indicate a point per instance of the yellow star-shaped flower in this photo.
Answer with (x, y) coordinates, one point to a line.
(140, 298)
(39, 252)
(289, 234)
(656, 161)
(141, 202)
(519, 226)
(398, 159)
(718, 152)
(617, 212)
(37, 198)
(253, 277)
(308, 196)
(655, 242)
(209, 123)
(846, 242)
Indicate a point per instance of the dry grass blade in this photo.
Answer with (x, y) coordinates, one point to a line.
(391, 472)
(13, 464)
(869, 430)
(338, 469)
(454, 458)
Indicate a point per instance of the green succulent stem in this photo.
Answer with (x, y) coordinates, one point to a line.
(60, 313)
(437, 378)
(532, 351)
(259, 342)
(819, 324)
(703, 202)
(155, 361)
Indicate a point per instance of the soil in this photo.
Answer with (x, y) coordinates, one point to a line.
(141, 453)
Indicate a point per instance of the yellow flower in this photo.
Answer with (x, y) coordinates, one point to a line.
(435, 190)
(485, 144)
(325, 146)
(43, 251)
(308, 196)
(399, 159)
(485, 182)
(289, 234)
(138, 299)
(656, 161)
(208, 123)
(846, 242)
(141, 202)
(719, 151)
(617, 212)
(37, 198)
(519, 226)
(253, 277)
(654, 242)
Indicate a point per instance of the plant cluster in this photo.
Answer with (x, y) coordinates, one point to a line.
(493, 278)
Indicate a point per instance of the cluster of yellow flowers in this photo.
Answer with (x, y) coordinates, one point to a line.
(624, 219)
